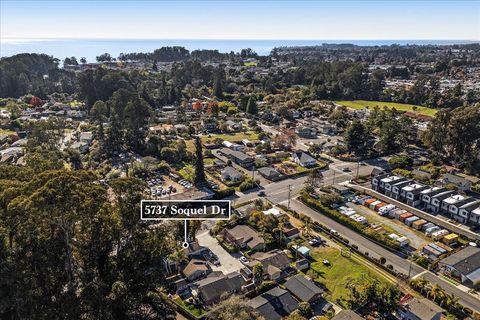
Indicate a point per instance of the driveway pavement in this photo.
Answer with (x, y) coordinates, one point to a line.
(228, 263)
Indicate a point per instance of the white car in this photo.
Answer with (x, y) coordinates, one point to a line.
(243, 260)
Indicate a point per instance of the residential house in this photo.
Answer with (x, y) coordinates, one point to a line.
(389, 182)
(412, 308)
(454, 179)
(376, 180)
(11, 155)
(233, 126)
(196, 269)
(270, 173)
(276, 264)
(244, 236)
(86, 137)
(306, 132)
(212, 288)
(463, 265)
(80, 146)
(460, 211)
(274, 304)
(451, 201)
(238, 157)
(291, 232)
(229, 174)
(304, 159)
(475, 217)
(436, 201)
(304, 289)
(427, 194)
(347, 315)
(411, 194)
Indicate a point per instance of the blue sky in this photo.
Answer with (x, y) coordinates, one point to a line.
(328, 20)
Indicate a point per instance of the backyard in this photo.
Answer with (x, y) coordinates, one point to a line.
(360, 104)
(337, 274)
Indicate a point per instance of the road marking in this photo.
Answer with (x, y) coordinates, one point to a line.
(420, 274)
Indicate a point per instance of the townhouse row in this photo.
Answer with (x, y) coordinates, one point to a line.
(433, 199)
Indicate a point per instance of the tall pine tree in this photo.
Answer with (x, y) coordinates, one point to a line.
(252, 105)
(199, 169)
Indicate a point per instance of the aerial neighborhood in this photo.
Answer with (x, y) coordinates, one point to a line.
(353, 173)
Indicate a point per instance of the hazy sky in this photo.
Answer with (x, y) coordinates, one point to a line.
(326, 20)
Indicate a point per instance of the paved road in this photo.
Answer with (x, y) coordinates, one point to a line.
(377, 251)
(422, 214)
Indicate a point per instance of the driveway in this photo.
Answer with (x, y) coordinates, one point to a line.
(228, 263)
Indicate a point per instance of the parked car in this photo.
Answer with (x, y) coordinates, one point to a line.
(261, 193)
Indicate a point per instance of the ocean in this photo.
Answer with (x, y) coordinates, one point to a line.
(90, 48)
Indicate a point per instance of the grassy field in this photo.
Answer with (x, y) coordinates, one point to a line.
(360, 104)
(336, 276)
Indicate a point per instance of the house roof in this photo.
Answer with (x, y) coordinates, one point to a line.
(421, 307)
(276, 258)
(236, 154)
(274, 304)
(268, 171)
(303, 157)
(211, 288)
(231, 172)
(195, 265)
(303, 288)
(464, 261)
(246, 234)
(347, 315)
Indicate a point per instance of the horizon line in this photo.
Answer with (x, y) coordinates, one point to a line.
(231, 39)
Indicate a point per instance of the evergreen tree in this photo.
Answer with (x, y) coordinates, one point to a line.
(199, 169)
(252, 105)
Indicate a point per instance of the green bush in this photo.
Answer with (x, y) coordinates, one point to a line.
(220, 194)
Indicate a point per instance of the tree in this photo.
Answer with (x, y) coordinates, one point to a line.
(105, 57)
(83, 60)
(200, 179)
(258, 272)
(99, 111)
(357, 138)
(305, 309)
(315, 178)
(234, 307)
(252, 105)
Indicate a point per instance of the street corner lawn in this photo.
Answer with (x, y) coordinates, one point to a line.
(337, 274)
(360, 104)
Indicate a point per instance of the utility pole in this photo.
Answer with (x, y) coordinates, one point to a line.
(289, 194)
(333, 182)
(409, 267)
(358, 167)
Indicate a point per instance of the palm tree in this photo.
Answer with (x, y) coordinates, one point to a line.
(436, 292)
(306, 225)
(451, 301)
(419, 284)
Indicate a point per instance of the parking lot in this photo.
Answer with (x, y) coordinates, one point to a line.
(228, 263)
(163, 186)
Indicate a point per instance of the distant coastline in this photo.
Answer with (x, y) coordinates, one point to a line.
(90, 48)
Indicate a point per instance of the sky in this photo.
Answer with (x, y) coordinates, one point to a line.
(283, 19)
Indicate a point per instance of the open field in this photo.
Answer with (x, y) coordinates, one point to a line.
(336, 275)
(360, 104)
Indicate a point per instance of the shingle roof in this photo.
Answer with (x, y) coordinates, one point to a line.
(211, 288)
(464, 261)
(274, 304)
(347, 315)
(422, 308)
(303, 288)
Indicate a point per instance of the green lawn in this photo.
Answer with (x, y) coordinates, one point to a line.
(195, 311)
(336, 276)
(360, 104)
